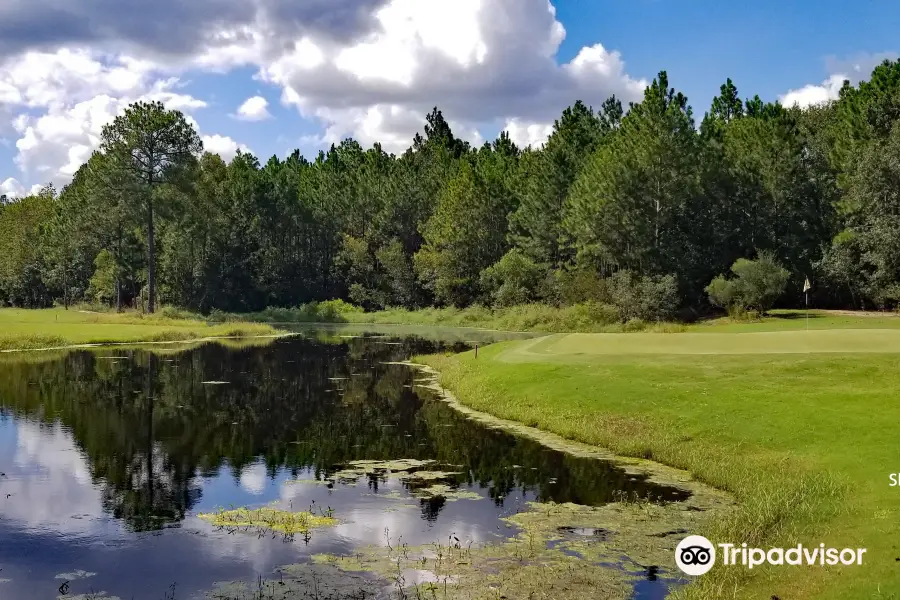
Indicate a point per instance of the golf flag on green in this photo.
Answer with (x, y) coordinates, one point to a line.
(806, 286)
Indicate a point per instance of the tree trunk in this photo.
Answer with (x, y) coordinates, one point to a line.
(151, 258)
(66, 287)
(118, 295)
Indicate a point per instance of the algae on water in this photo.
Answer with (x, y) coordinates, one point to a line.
(302, 581)
(559, 551)
(273, 519)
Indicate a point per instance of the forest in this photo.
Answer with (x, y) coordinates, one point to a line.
(635, 207)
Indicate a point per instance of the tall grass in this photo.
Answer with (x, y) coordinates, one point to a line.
(589, 317)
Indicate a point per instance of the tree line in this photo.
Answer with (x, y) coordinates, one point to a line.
(633, 202)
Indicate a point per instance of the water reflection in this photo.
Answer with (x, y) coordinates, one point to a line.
(104, 453)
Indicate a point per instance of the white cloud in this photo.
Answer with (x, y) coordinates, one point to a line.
(854, 70)
(528, 134)
(68, 76)
(479, 61)
(367, 68)
(68, 96)
(222, 145)
(809, 95)
(65, 481)
(253, 479)
(13, 189)
(254, 109)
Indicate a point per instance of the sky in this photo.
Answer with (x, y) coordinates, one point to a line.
(271, 76)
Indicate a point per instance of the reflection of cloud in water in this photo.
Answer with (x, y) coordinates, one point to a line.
(79, 574)
(253, 479)
(257, 552)
(53, 484)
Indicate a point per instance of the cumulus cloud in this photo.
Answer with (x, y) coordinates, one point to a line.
(528, 134)
(68, 95)
(478, 60)
(254, 109)
(367, 68)
(854, 70)
(11, 188)
(815, 94)
(173, 30)
(223, 145)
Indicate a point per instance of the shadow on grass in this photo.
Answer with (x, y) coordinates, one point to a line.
(794, 315)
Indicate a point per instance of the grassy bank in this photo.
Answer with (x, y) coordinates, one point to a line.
(22, 329)
(580, 318)
(530, 317)
(804, 437)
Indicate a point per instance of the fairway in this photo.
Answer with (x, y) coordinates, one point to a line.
(576, 347)
(22, 329)
(800, 426)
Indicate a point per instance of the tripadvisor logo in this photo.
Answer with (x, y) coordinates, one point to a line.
(696, 555)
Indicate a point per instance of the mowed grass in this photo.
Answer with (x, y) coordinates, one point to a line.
(23, 329)
(794, 320)
(578, 347)
(802, 430)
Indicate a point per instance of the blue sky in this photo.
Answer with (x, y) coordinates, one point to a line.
(767, 47)
(372, 68)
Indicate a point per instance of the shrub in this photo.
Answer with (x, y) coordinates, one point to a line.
(514, 279)
(757, 284)
(643, 297)
(580, 285)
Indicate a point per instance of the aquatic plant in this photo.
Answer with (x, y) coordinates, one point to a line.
(269, 518)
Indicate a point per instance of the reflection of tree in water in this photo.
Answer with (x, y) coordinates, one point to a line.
(149, 425)
(431, 507)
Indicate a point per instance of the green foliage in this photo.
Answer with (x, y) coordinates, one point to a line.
(512, 280)
(757, 284)
(104, 281)
(578, 285)
(633, 206)
(547, 176)
(21, 262)
(464, 236)
(646, 298)
(146, 148)
(613, 189)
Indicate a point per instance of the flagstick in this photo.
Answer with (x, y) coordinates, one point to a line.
(807, 311)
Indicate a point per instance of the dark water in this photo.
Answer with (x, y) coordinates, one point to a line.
(107, 456)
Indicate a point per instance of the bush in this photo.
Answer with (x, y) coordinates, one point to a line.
(643, 297)
(580, 285)
(756, 285)
(514, 279)
(331, 310)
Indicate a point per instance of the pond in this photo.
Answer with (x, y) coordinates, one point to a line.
(113, 460)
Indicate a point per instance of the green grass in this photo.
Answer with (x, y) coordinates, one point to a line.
(794, 320)
(23, 329)
(800, 428)
(582, 318)
(590, 317)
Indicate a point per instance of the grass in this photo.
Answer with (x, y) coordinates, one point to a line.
(581, 318)
(795, 320)
(269, 519)
(591, 317)
(800, 426)
(23, 329)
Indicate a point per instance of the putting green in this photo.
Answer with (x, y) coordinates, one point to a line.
(575, 346)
